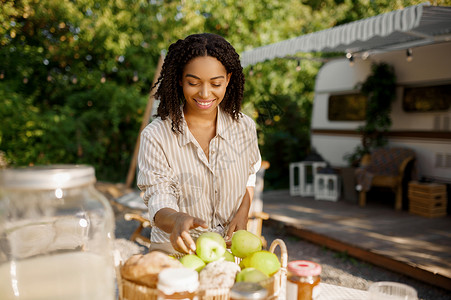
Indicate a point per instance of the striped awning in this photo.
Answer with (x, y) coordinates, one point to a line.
(412, 26)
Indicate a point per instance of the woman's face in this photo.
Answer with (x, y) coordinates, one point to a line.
(204, 83)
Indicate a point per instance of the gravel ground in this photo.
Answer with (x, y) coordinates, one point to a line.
(341, 269)
(337, 268)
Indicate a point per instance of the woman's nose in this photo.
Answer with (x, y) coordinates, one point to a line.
(204, 91)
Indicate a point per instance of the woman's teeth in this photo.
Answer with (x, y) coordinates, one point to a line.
(204, 103)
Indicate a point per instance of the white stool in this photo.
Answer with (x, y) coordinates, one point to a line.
(305, 173)
(327, 187)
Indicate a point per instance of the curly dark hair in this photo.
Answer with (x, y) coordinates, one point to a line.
(170, 92)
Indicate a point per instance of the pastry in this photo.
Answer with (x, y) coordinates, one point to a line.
(144, 269)
(218, 275)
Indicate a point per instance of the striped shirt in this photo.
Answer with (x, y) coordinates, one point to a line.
(174, 171)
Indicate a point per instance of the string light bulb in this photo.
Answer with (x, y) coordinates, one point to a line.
(135, 76)
(2, 74)
(409, 55)
(251, 71)
(103, 79)
(350, 57)
(298, 67)
(365, 55)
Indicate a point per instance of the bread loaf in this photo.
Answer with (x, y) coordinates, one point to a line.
(144, 269)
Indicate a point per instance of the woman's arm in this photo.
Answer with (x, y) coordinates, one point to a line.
(178, 225)
(240, 219)
(160, 186)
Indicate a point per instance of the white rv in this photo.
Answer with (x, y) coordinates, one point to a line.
(421, 114)
(423, 76)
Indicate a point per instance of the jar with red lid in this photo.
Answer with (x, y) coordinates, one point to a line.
(303, 280)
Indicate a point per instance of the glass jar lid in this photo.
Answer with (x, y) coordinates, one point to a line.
(47, 177)
(248, 290)
(304, 268)
(178, 280)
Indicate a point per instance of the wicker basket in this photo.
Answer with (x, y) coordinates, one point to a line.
(133, 291)
(275, 285)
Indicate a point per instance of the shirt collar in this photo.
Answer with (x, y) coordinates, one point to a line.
(223, 123)
(184, 137)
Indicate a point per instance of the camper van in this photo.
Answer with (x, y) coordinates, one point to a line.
(421, 112)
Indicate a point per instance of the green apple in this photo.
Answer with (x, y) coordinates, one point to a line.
(263, 260)
(192, 261)
(244, 243)
(244, 262)
(229, 256)
(251, 275)
(210, 246)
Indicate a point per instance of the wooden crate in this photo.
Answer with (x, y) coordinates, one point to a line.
(427, 187)
(427, 199)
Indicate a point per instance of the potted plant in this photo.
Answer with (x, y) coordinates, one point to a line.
(380, 90)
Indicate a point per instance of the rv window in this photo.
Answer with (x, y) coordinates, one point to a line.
(427, 98)
(347, 107)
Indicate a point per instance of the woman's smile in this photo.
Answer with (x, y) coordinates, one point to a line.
(204, 83)
(204, 103)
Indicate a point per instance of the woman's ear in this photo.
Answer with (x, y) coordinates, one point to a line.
(229, 75)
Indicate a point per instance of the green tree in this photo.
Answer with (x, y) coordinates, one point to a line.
(74, 82)
(75, 75)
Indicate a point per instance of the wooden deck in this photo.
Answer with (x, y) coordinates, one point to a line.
(416, 246)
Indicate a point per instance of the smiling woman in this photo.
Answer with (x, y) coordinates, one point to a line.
(201, 149)
(204, 83)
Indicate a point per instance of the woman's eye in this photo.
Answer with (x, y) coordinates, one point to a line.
(197, 84)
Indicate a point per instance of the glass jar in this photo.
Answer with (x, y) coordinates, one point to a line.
(303, 280)
(56, 235)
(248, 291)
(178, 283)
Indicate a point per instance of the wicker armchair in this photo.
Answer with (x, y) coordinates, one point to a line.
(385, 168)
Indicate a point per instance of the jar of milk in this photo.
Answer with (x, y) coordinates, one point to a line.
(56, 235)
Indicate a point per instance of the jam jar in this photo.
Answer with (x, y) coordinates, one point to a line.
(178, 283)
(303, 280)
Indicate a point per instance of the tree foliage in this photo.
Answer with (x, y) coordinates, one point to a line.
(75, 74)
(75, 79)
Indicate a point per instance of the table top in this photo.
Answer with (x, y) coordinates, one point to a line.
(335, 292)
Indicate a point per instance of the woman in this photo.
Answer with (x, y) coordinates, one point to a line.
(198, 159)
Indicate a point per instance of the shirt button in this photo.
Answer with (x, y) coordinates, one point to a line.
(212, 151)
(216, 191)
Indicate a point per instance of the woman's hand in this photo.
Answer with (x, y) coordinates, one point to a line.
(239, 221)
(178, 225)
(180, 238)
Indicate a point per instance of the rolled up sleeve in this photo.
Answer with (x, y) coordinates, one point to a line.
(254, 157)
(155, 177)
